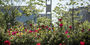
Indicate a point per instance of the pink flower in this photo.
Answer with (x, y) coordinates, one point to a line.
(13, 33)
(60, 25)
(60, 19)
(8, 31)
(66, 31)
(39, 28)
(6, 42)
(49, 28)
(70, 27)
(38, 44)
(82, 43)
(60, 44)
(68, 36)
(46, 26)
(16, 31)
(30, 31)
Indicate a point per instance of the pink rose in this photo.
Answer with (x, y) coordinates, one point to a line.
(66, 31)
(7, 42)
(60, 25)
(82, 43)
(38, 44)
(30, 31)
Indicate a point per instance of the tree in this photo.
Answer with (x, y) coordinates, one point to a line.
(11, 12)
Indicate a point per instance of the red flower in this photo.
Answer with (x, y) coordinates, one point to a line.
(39, 36)
(35, 30)
(60, 25)
(70, 27)
(60, 19)
(9, 34)
(82, 30)
(42, 26)
(11, 38)
(60, 44)
(10, 29)
(66, 31)
(52, 28)
(39, 26)
(0, 41)
(6, 42)
(82, 43)
(38, 44)
(30, 24)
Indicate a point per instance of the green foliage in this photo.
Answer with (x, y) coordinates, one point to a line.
(2, 21)
(43, 20)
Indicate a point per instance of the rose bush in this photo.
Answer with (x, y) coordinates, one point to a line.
(20, 35)
(62, 34)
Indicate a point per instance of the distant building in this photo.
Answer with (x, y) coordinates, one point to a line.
(85, 12)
